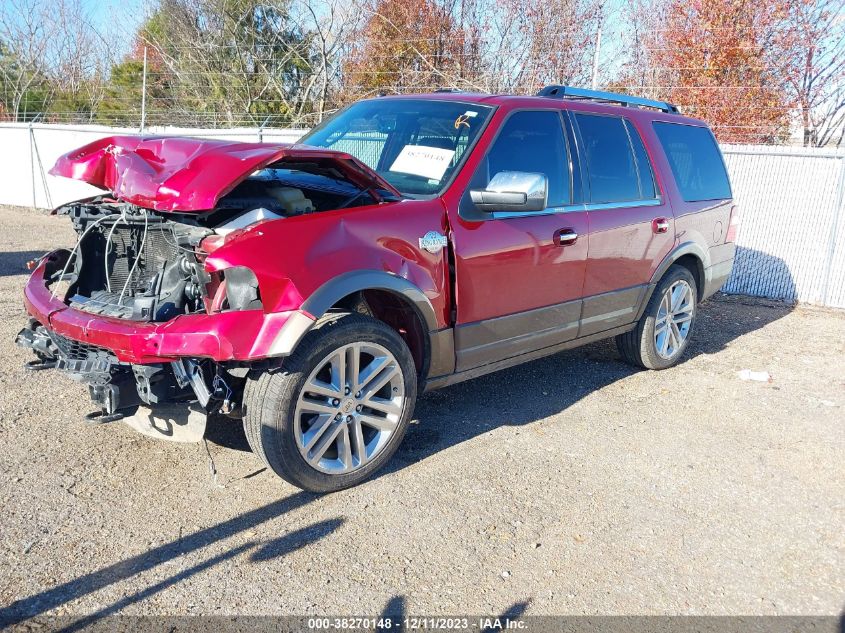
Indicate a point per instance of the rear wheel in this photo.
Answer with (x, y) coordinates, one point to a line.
(339, 407)
(663, 332)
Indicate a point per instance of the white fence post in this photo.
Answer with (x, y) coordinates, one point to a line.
(144, 94)
(834, 231)
(32, 162)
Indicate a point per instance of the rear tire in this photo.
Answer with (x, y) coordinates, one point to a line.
(339, 406)
(664, 330)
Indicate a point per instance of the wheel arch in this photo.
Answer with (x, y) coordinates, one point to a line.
(696, 268)
(336, 289)
(691, 256)
(393, 300)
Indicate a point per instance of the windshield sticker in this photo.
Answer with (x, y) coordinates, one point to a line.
(461, 120)
(471, 113)
(419, 160)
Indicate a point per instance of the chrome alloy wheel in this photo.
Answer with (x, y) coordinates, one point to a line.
(674, 318)
(349, 408)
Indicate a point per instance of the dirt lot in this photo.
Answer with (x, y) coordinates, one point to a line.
(574, 484)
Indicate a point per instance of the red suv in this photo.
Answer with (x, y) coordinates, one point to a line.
(406, 244)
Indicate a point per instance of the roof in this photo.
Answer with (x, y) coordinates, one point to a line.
(532, 101)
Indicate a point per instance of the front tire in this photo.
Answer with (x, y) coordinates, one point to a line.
(338, 408)
(663, 332)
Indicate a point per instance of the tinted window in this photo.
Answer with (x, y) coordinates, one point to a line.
(695, 161)
(610, 159)
(531, 141)
(643, 163)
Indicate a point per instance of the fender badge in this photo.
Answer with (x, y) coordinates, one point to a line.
(433, 242)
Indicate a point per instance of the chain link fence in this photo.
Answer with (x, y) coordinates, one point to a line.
(791, 242)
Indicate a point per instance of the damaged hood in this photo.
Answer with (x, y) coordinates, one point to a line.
(188, 174)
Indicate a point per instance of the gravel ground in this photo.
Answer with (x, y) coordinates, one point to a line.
(570, 485)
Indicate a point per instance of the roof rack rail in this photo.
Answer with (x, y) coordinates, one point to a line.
(568, 92)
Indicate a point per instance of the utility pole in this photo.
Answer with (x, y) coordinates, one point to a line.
(595, 79)
(144, 94)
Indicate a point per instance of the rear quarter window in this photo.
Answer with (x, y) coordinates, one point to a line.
(695, 160)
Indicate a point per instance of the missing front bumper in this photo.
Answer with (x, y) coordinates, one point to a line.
(114, 386)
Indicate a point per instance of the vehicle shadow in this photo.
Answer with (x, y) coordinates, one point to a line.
(14, 263)
(539, 389)
(32, 606)
(761, 275)
(226, 432)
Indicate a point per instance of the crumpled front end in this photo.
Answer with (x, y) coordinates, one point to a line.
(127, 361)
(172, 292)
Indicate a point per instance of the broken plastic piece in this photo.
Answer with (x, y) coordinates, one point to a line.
(757, 376)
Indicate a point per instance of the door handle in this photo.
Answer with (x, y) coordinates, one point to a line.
(565, 237)
(660, 225)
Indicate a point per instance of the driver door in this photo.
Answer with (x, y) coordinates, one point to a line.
(520, 274)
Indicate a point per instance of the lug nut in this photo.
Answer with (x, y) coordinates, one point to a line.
(359, 408)
(357, 394)
(338, 417)
(346, 391)
(349, 418)
(335, 402)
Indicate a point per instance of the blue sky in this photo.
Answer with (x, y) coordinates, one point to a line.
(120, 16)
(124, 16)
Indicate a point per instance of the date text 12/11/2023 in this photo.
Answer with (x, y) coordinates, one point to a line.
(386, 623)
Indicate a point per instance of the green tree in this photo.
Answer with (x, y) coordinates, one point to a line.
(121, 104)
(232, 61)
(24, 91)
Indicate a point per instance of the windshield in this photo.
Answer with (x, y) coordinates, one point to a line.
(415, 145)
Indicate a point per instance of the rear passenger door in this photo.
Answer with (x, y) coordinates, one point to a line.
(631, 224)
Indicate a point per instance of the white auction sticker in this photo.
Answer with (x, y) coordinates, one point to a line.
(429, 162)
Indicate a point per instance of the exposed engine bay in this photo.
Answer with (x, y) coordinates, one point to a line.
(137, 264)
(142, 265)
(134, 264)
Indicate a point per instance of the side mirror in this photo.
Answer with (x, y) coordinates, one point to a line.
(513, 191)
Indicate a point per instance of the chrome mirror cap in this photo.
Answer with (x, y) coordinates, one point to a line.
(513, 191)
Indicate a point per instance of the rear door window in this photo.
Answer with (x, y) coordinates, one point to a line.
(695, 160)
(611, 166)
